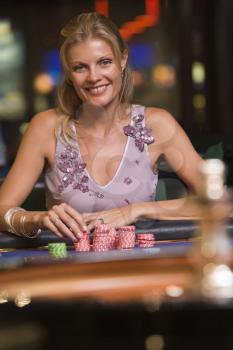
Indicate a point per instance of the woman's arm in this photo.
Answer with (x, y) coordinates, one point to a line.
(171, 142)
(36, 149)
(176, 209)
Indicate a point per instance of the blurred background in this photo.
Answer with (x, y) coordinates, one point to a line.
(181, 53)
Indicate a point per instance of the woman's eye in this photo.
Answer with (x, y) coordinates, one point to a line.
(78, 68)
(106, 62)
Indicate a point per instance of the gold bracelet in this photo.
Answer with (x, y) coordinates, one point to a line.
(8, 218)
(32, 234)
(21, 224)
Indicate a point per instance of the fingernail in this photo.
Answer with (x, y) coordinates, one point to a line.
(85, 229)
(80, 235)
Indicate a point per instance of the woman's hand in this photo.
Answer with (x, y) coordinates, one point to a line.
(116, 217)
(64, 221)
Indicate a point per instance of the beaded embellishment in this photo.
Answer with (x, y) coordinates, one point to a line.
(141, 134)
(73, 169)
(69, 164)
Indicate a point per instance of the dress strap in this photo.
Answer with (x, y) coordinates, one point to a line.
(137, 130)
(138, 110)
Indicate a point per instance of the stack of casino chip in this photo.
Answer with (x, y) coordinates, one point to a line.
(116, 241)
(145, 240)
(103, 238)
(83, 244)
(126, 238)
(106, 238)
(112, 234)
(57, 250)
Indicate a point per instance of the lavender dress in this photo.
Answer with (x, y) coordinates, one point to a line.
(68, 180)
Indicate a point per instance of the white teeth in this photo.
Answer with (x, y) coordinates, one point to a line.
(97, 90)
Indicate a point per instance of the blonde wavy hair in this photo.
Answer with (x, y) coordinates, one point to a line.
(77, 30)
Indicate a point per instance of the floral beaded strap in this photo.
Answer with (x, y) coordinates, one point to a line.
(140, 133)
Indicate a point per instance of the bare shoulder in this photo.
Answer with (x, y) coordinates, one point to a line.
(40, 134)
(163, 124)
(45, 122)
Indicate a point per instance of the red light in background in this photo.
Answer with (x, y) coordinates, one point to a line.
(152, 8)
(140, 23)
(101, 6)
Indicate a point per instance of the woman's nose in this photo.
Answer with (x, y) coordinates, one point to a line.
(93, 74)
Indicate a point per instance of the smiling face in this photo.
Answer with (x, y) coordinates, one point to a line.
(95, 72)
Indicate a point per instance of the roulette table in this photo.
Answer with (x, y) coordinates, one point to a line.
(129, 298)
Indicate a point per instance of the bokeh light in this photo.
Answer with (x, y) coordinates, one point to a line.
(43, 83)
(164, 75)
(198, 72)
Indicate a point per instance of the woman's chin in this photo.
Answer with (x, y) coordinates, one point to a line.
(97, 103)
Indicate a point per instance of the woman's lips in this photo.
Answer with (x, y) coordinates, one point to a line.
(97, 90)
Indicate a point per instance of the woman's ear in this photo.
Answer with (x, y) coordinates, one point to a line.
(68, 78)
(124, 59)
(69, 81)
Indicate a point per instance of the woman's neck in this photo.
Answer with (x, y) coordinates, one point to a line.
(101, 119)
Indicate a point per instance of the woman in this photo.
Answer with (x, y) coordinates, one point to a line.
(99, 152)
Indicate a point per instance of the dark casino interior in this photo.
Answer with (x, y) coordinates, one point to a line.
(181, 55)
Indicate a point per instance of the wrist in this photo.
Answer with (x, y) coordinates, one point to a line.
(141, 210)
(146, 210)
(34, 219)
(28, 224)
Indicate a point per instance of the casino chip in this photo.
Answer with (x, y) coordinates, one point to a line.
(58, 250)
(104, 238)
(113, 236)
(83, 244)
(145, 240)
(126, 238)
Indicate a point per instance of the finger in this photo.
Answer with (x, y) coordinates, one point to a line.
(71, 224)
(60, 227)
(92, 216)
(55, 230)
(75, 215)
(64, 230)
(95, 220)
(48, 224)
(88, 218)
